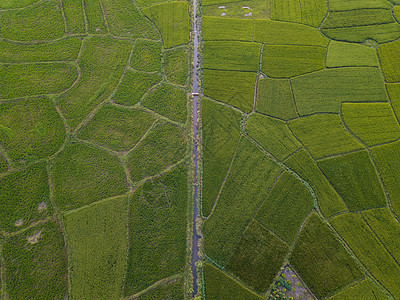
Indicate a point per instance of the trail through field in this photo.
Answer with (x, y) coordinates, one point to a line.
(195, 90)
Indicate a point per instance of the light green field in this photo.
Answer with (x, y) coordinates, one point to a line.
(239, 200)
(358, 4)
(74, 16)
(217, 28)
(372, 123)
(356, 18)
(321, 261)
(230, 55)
(30, 129)
(238, 10)
(22, 80)
(323, 91)
(164, 146)
(157, 230)
(389, 59)
(272, 134)
(134, 86)
(286, 207)
(94, 175)
(275, 98)
(329, 201)
(324, 135)
(218, 285)
(354, 177)
(20, 196)
(97, 244)
(117, 128)
(168, 101)
(146, 56)
(220, 135)
(369, 250)
(176, 65)
(94, 15)
(257, 257)
(393, 90)
(8, 4)
(350, 55)
(172, 20)
(230, 87)
(35, 263)
(288, 61)
(364, 289)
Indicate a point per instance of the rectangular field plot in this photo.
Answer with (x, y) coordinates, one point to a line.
(323, 91)
(157, 231)
(354, 177)
(321, 261)
(251, 176)
(369, 250)
(363, 290)
(350, 55)
(355, 18)
(217, 28)
(288, 61)
(218, 285)
(94, 15)
(358, 4)
(35, 264)
(324, 135)
(389, 56)
(272, 134)
(257, 257)
(283, 33)
(97, 244)
(328, 199)
(286, 207)
(220, 135)
(74, 15)
(176, 65)
(230, 55)
(230, 87)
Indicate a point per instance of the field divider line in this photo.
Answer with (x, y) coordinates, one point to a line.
(294, 99)
(104, 16)
(85, 18)
(63, 16)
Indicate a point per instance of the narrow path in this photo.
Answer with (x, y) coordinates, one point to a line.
(195, 91)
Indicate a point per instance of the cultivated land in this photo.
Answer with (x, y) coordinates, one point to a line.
(299, 149)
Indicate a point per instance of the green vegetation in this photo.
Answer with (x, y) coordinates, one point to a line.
(239, 200)
(308, 12)
(3, 164)
(36, 263)
(238, 9)
(350, 55)
(164, 146)
(369, 250)
(134, 86)
(286, 207)
(356, 18)
(386, 227)
(321, 261)
(168, 101)
(231, 55)
(93, 175)
(9, 4)
(329, 201)
(157, 227)
(354, 177)
(363, 290)
(323, 91)
(257, 257)
(283, 33)
(372, 123)
(358, 4)
(169, 291)
(97, 244)
(272, 134)
(94, 15)
(218, 285)
(231, 87)
(64, 49)
(275, 98)
(117, 128)
(125, 19)
(389, 58)
(172, 19)
(396, 12)
(387, 159)
(102, 63)
(176, 65)
(146, 56)
(42, 21)
(287, 61)
(324, 135)
(21, 195)
(217, 28)
(393, 90)
(74, 16)
(221, 131)
(30, 129)
(23, 80)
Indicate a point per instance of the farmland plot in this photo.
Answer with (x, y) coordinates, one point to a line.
(217, 28)
(350, 55)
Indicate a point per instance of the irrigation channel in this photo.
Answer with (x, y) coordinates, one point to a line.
(195, 92)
